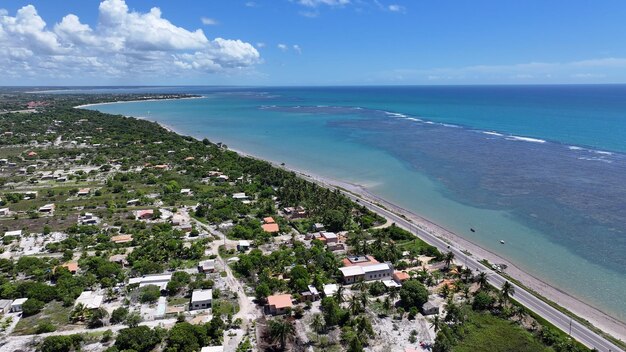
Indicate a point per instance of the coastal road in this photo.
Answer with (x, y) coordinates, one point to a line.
(578, 331)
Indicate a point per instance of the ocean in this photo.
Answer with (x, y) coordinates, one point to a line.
(542, 168)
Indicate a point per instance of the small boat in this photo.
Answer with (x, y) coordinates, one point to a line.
(472, 229)
(502, 241)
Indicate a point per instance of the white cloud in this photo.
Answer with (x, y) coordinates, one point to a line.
(396, 8)
(580, 71)
(315, 3)
(260, 45)
(282, 47)
(209, 21)
(297, 48)
(251, 4)
(123, 43)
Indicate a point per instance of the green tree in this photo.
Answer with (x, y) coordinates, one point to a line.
(413, 294)
(140, 339)
(507, 291)
(119, 315)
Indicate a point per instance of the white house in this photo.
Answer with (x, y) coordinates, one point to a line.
(5, 306)
(4, 211)
(159, 280)
(212, 349)
(207, 266)
(89, 299)
(330, 289)
(201, 299)
(16, 306)
(378, 271)
(243, 245)
(185, 191)
(48, 208)
(240, 196)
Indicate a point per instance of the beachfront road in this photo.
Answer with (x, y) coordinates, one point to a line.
(557, 318)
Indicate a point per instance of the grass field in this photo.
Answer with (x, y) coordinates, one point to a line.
(485, 332)
(54, 312)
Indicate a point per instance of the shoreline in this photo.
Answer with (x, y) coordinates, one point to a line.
(576, 306)
(134, 101)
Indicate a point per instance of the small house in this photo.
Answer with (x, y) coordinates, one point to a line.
(201, 299)
(212, 349)
(14, 233)
(89, 300)
(16, 306)
(243, 245)
(83, 192)
(5, 306)
(330, 289)
(269, 225)
(4, 211)
(48, 208)
(146, 214)
(279, 304)
(122, 238)
(311, 295)
(430, 308)
(207, 266)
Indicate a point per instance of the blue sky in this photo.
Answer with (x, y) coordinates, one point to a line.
(311, 42)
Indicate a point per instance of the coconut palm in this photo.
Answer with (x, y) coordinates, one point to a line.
(339, 296)
(435, 323)
(507, 291)
(318, 324)
(481, 279)
(448, 258)
(354, 305)
(281, 331)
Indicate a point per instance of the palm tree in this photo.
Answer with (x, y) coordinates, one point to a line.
(339, 296)
(394, 294)
(435, 323)
(448, 258)
(445, 291)
(355, 305)
(281, 331)
(387, 304)
(481, 279)
(360, 285)
(507, 291)
(466, 273)
(364, 297)
(318, 324)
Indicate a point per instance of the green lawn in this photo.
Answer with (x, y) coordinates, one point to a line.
(485, 332)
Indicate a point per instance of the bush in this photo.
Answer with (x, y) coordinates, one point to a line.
(118, 315)
(32, 306)
(140, 339)
(57, 344)
(149, 294)
(44, 327)
(482, 301)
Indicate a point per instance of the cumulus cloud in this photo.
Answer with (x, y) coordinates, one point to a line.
(123, 41)
(297, 48)
(282, 47)
(396, 8)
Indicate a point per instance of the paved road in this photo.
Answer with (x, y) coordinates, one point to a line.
(560, 320)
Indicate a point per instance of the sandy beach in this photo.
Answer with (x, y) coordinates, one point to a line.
(595, 316)
(132, 101)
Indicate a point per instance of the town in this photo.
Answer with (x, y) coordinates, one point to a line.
(118, 234)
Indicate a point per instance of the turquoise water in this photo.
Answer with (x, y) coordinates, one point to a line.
(542, 168)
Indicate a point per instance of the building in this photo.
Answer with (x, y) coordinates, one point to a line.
(16, 306)
(89, 300)
(317, 227)
(146, 214)
(88, 219)
(83, 192)
(14, 233)
(270, 225)
(159, 280)
(201, 299)
(400, 276)
(240, 196)
(132, 202)
(359, 260)
(330, 289)
(72, 267)
(186, 191)
(5, 306)
(4, 211)
(330, 237)
(48, 208)
(279, 304)
(207, 266)
(212, 349)
(243, 245)
(312, 294)
(378, 271)
(122, 238)
(430, 308)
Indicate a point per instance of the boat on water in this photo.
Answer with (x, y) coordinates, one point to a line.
(501, 241)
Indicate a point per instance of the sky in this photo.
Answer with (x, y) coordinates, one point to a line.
(311, 42)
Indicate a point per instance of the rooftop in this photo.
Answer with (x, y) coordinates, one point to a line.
(202, 295)
(270, 227)
(280, 301)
